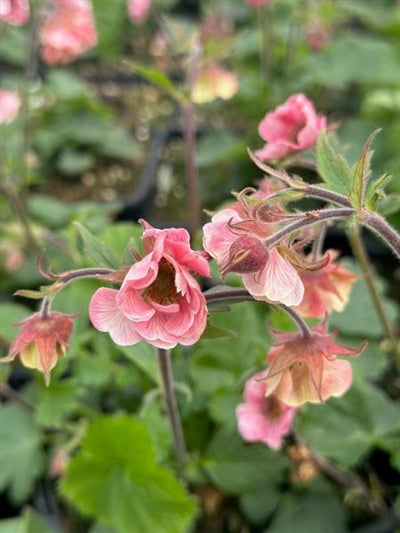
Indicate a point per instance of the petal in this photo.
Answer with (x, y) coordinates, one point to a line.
(131, 303)
(337, 378)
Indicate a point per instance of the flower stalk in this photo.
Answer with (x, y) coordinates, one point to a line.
(168, 388)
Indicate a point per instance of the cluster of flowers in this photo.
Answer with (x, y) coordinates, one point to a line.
(160, 300)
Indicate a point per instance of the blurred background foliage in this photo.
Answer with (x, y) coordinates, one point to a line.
(98, 144)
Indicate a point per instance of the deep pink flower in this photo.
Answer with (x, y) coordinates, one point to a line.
(10, 104)
(266, 274)
(257, 3)
(138, 10)
(326, 289)
(291, 127)
(41, 341)
(263, 418)
(159, 300)
(67, 32)
(15, 12)
(306, 369)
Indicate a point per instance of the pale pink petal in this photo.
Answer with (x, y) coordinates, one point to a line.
(131, 303)
(141, 274)
(337, 378)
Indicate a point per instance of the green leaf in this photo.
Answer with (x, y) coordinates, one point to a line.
(375, 192)
(21, 458)
(99, 251)
(214, 332)
(238, 468)
(258, 505)
(109, 17)
(119, 483)
(311, 512)
(11, 313)
(361, 174)
(157, 425)
(117, 142)
(332, 167)
(158, 78)
(344, 429)
(145, 358)
(119, 235)
(29, 522)
(54, 403)
(73, 162)
(222, 407)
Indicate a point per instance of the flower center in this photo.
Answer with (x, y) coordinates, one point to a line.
(163, 290)
(271, 407)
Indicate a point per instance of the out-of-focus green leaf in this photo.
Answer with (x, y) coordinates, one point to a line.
(66, 85)
(359, 420)
(309, 512)
(117, 142)
(258, 505)
(29, 522)
(218, 147)
(144, 357)
(99, 251)
(21, 457)
(11, 313)
(109, 17)
(54, 403)
(118, 235)
(239, 468)
(73, 163)
(120, 484)
(332, 167)
(222, 406)
(214, 332)
(157, 425)
(158, 78)
(50, 211)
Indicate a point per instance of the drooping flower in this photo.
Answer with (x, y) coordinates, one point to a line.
(307, 369)
(266, 274)
(159, 301)
(138, 10)
(263, 418)
(41, 341)
(214, 82)
(326, 289)
(14, 12)
(10, 104)
(291, 127)
(67, 32)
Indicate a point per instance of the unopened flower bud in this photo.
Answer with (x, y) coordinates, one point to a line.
(246, 254)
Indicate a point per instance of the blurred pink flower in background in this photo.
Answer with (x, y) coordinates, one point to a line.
(138, 10)
(326, 289)
(15, 12)
(291, 127)
(41, 341)
(159, 301)
(306, 369)
(10, 104)
(257, 3)
(67, 32)
(263, 418)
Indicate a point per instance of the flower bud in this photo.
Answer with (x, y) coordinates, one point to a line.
(246, 254)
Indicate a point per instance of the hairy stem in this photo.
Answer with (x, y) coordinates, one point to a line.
(8, 392)
(167, 380)
(383, 229)
(72, 275)
(362, 257)
(310, 218)
(297, 319)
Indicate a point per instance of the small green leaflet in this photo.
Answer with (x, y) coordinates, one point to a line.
(332, 167)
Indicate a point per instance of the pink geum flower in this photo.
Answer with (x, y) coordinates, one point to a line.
(263, 418)
(257, 3)
(306, 369)
(265, 273)
(159, 301)
(138, 10)
(14, 12)
(10, 104)
(326, 289)
(67, 32)
(291, 127)
(41, 341)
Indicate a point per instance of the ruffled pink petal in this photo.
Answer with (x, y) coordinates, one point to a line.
(337, 378)
(272, 151)
(131, 303)
(141, 274)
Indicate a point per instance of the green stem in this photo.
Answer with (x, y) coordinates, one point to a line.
(167, 380)
(362, 257)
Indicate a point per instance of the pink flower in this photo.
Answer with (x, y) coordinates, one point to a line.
(10, 104)
(159, 300)
(138, 10)
(326, 289)
(291, 127)
(263, 418)
(306, 369)
(257, 3)
(41, 341)
(266, 274)
(15, 12)
(67, 32)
